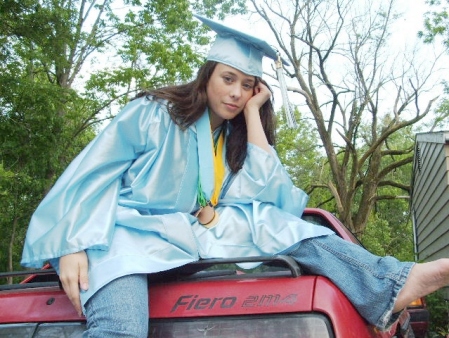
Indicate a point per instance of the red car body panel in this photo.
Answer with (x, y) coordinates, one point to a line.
(232, 297)
(36, 305)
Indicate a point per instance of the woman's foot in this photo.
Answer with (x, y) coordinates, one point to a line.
(424, 278)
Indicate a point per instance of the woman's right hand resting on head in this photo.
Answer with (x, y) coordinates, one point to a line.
(74, 276)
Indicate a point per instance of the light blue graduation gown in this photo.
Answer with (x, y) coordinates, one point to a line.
(128, 198)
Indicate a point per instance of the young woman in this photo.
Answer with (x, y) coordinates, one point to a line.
(188, 172)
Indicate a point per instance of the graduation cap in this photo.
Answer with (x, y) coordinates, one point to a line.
(237, 49)
(245, 53)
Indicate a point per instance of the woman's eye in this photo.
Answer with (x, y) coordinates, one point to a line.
(248, 86)
(227, 79)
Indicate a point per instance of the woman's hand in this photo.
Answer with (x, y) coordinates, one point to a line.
(73, 275)
(256, 134)
(261, 95)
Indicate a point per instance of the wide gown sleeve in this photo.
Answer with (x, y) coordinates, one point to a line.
(79, 211)
(264, 179)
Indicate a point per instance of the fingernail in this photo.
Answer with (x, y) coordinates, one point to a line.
(84, 286)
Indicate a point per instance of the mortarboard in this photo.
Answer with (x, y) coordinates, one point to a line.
(237, 49)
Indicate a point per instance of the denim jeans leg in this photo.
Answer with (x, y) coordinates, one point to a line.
(119, 309)
(370, 282)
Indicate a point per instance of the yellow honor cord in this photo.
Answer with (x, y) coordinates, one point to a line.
(219, 169)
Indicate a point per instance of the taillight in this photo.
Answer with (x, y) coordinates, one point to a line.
(416, 303)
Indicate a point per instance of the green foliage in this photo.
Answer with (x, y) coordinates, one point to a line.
(439, 313)
(299, 151)
(297, 148)
(436, 23)
(36, 143)
(442, 115)
(384, 236)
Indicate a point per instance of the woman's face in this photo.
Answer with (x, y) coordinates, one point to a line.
(228, 90)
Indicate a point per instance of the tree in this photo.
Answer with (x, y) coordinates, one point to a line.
(358, 91)
(67, 66)
(436, 23)
(389, 230)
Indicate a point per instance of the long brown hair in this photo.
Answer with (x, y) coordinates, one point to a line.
(187, 102)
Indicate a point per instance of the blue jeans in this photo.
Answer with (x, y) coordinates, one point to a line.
(119, 309)
(371, 283)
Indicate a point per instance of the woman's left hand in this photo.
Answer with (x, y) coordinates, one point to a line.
(261, 95)
(256, 134)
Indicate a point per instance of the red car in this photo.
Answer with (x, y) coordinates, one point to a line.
(210, 298)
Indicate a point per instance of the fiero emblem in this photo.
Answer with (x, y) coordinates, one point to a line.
(195, 302)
